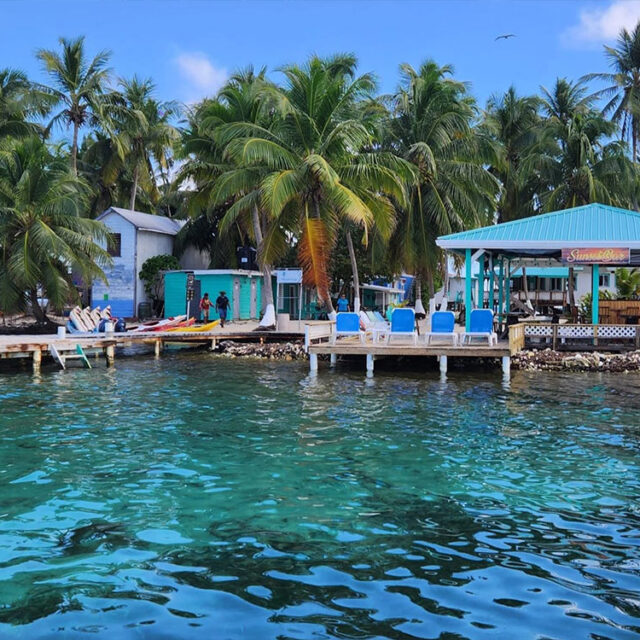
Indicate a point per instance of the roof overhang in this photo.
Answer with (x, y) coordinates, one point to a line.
(513, 247)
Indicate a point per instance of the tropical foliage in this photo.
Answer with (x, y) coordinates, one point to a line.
(308, 163)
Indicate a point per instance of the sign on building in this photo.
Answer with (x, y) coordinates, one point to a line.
(594, 255)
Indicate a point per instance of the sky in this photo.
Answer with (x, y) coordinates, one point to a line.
(190, 47)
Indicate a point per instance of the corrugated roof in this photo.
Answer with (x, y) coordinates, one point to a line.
(147, 221)
(595, 225)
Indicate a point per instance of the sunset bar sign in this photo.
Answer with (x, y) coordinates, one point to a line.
(593, 255)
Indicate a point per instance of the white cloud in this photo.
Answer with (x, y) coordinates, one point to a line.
(202, 76)
(604, 24)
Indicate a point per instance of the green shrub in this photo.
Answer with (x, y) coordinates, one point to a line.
(152, 276)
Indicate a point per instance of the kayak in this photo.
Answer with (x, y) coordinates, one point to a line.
(200, 329)
(159, 325)
(174, 325)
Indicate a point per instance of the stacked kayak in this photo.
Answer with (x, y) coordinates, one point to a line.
(200, 329)
(162, 325)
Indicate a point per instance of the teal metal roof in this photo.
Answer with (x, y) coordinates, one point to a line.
(593, 225)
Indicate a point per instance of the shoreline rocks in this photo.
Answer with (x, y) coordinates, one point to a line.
(268, 350)
(549, 360)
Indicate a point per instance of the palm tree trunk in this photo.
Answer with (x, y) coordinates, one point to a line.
(354, 270)
(430, 284)
(269, 317)
(38, 312)
(331, 312)
(74, 149)
(134, 189)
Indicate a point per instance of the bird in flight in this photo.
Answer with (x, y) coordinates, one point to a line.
(506, 36)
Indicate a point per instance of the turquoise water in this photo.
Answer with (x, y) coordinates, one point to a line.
(200, 497)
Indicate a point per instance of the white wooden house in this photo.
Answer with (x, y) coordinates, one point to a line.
(135, 236)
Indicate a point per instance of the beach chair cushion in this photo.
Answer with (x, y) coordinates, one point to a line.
(481, 321)
(443, 322)
(403, 321)
(347, 322)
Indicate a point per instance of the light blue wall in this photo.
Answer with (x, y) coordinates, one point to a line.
(150, 244)
(121, 277)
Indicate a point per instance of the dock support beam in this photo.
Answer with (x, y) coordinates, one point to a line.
(313, 362)
(506, 366)
(503, 320)
(157, 348)
(333, 358)
(370, 361)
(492, 283)
(467, 290)
(443, 364)
(37, 360)
(595, 293)
(110, 354)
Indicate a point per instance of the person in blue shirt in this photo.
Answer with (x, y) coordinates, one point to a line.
(343, 303)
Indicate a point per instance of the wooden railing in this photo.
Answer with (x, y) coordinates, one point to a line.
(316, 333)
(516, 338)
(561, 334)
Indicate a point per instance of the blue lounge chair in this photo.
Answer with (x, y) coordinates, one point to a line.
(347, 324)
(481, 322)
(403, 323)
(443, 325)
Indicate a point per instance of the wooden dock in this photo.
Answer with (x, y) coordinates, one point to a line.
(36, 347)
(318, 341)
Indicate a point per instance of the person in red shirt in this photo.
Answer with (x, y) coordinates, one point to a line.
(205, 305)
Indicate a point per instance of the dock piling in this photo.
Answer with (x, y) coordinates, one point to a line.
(313, 362)
(157, 348)
(506, 366)
(443, 364)
(37, 360)
(370, 361)
(333, 359)
(110, 354)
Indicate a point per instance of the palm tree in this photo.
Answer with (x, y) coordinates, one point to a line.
(627, 283)
(431, 126)
(587, 167)
(623, 92)
(141, 135)
(43, 236)
(513, 122)
(18, 101)
(315, 166)
(239, 101)
(78, 85)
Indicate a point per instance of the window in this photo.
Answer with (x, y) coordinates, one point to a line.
(114, 245)
(605, 280)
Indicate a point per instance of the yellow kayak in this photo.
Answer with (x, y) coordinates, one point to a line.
(201, 329)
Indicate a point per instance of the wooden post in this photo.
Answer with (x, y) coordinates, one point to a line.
(506, 366)
(110, 354)
(501, 294)
(637, 336)
(595, 293)
(554, 340)
(333, 358)
(443, 364)
(313, 362)
(467, 290)
(157, 348)
(37, 360)
(370, 360)
(492, 282)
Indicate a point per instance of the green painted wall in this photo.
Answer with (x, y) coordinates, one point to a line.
(211, 283)
(175, 287)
